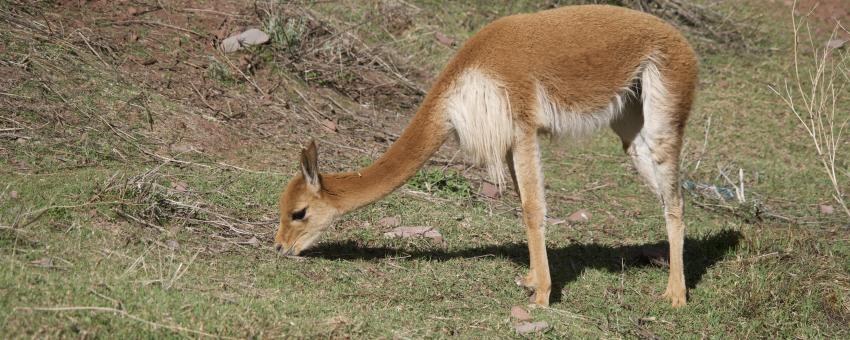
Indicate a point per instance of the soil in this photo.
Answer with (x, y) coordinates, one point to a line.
(825, 14)
(259, 117)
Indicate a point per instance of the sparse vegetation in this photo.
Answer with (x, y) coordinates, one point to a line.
(140, 170)
(286, 33)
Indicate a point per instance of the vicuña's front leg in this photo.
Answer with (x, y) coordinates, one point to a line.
(528, 175)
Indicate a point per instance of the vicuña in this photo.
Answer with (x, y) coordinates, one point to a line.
(567, 71)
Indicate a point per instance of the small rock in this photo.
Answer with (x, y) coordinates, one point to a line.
(179, 186)
(329, 125)
(489, 190)
(182, 148)
(238, 41)
(555, 221)
(581, 216)
(444, 39)
(253, 37)
(172, 244)
(13, 194)
(524, 328)
(835, 44)
(230, 45)
(43, 262)
(826, 209)
(520, 313)
(253, 242)
(408, 232)
(389, 221)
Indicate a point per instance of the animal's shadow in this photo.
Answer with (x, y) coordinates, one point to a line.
(566, 263)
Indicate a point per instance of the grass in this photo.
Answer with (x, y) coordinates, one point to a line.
(748, 276)
(442, 183)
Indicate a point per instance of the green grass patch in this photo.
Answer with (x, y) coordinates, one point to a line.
(446, 183)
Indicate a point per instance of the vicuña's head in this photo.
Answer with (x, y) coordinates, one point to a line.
(305, 211)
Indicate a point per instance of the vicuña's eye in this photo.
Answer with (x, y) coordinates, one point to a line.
(299, 215)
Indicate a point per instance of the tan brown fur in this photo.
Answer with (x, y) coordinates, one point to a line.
(583, 63)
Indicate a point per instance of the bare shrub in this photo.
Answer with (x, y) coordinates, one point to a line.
(816, 93)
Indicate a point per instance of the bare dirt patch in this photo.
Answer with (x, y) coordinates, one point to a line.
(823, 14)
(193, 97)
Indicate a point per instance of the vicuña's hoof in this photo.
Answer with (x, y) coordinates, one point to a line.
(526, 281)
(541, 300)
(677, 299)
(538, 295)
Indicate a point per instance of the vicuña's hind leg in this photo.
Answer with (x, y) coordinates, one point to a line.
(654, 146)
(663, 156)
(526, 168)
(526, 281)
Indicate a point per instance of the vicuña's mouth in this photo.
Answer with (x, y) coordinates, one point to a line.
(306, 241)
(301, 243)
(285, 251)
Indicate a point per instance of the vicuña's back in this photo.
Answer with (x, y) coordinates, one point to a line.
(566, 71)
(581, 54)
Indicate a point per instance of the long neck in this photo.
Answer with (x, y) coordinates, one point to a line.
(421, 139)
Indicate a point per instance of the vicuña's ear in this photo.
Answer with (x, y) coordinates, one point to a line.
(310, 166)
